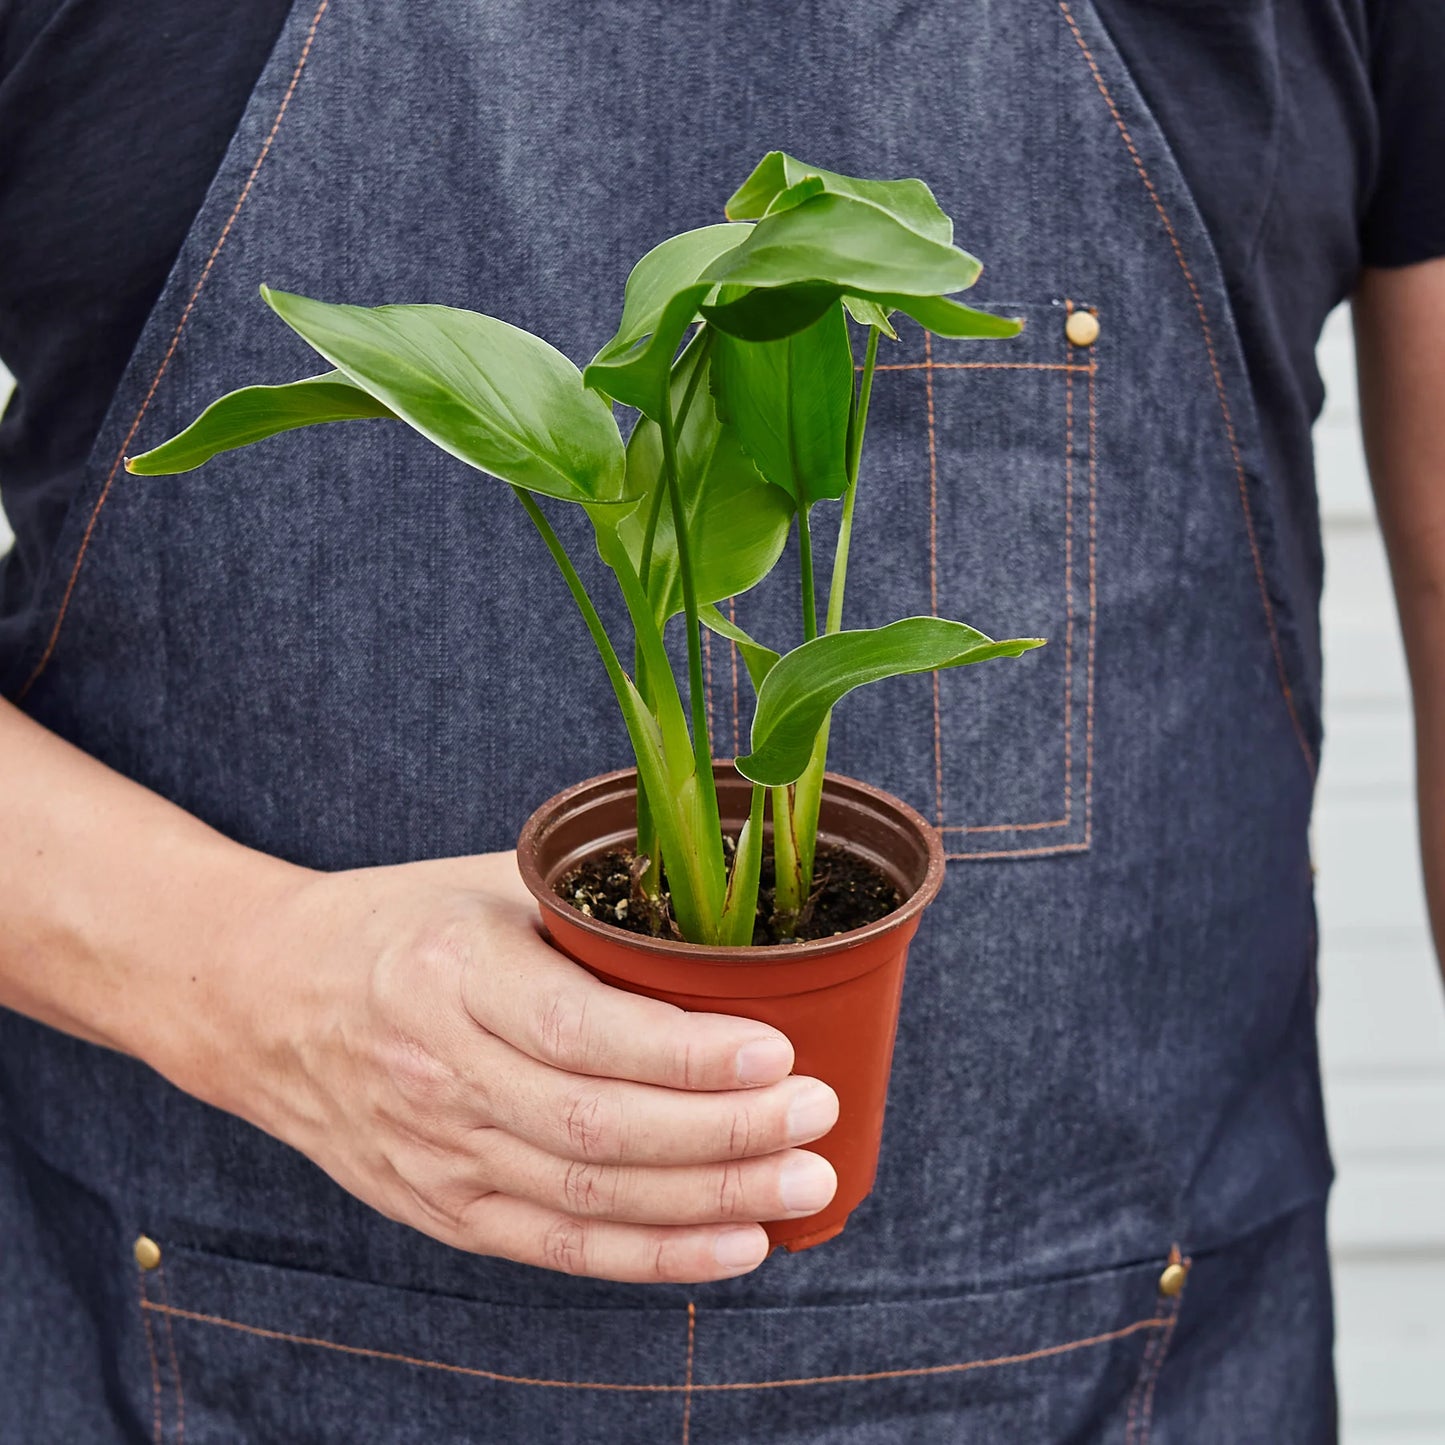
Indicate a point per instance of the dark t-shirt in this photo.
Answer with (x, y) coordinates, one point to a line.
(1309, 130)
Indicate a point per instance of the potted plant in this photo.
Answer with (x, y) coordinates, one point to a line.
(735, 351)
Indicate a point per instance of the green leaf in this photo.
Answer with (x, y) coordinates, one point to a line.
(665, 270)
(660, 302)
(778, 175)
(758, 660)
(870, 313)
(946, 317)
(255, 413)
(800, 691)
(737, 524)
(789, 402)
(858, 247)
(493, 396)
(795, 195)
(767, 313)
(639, 377)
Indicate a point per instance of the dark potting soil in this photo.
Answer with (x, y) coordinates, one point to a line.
(847, 893)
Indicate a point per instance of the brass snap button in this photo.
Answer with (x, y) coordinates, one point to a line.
(147, 1252)
(1082, 328)
(1172, 1280)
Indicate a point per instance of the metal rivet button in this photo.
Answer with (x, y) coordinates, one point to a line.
(1082, 328)
(1172, 1280)
(147, 1252)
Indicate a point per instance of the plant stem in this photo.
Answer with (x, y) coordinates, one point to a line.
(702, 338)
(788, 896)
(808, 791)
(741, 910)
(697, 696)
(805, 564)
(615, 673)
(857, 421)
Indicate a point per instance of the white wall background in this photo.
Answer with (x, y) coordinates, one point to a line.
(1382, 1007)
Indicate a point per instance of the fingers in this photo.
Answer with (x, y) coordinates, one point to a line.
(612, 1121)
(530, 1233)
(783, 1186)
(542, 1003)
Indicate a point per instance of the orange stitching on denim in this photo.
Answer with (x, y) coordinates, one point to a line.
(100, 501)
(1153, 1322)
(1069, 583)
(1147, 1418)
(1045, 852)
(687, 1382)
(1141, 1397)
(1067, 819)
(1219, 387)
(1005, 827)
(933, 574)
(145, 1320)
(1093, 613)
(1145, 1369)
(175, 1362)
(980, 365)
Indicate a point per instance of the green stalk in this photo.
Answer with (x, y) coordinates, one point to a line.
(808, 791)
(680, 803)
(697, 889)
(788, 896)
(650, 883)
(697, 694)
(805, 563)
(857, 421)
(615, 673)
(702, 337)
(741, 909)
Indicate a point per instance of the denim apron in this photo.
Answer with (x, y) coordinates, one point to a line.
(345, 649)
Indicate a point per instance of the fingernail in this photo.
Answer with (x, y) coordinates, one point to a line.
(764, 1060)
(812, 1113)
(806, 1184)
(741, 1248)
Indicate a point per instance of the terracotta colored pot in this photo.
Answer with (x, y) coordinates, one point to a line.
(835, 998)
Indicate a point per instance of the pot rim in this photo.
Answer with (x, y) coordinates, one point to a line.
(905, 914)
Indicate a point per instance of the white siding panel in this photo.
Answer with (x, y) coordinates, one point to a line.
(1382, 1007)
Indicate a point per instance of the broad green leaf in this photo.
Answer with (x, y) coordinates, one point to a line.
(795, 195)
(639, 377)
(758, 660)
(737, 524)
(665, 270)
(859, 247)
(800, 691)
(255, 413)
(946, 317)
(778, 174)
(493, 396)
(788, 401)
(766, 313)
(660, 301)
(870, 313)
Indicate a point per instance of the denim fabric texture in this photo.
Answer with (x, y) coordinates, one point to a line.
(329, 648)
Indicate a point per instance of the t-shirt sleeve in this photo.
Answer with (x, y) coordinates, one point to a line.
(1404, 219)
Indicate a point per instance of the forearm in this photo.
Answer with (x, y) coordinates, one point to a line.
(1399, 316)
(120, 910)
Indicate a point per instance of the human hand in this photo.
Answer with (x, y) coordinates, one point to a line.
(409, 1030)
